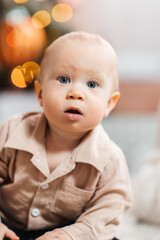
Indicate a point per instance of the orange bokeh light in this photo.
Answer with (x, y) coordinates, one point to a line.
(20, 1)
(14, 38)
(18, 78)
(41, 19)
(62, 12)
(22, 76)
(21, 42)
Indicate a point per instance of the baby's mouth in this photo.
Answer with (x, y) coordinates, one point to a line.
(73, 113)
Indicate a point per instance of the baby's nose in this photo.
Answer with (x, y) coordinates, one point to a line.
(75, 94)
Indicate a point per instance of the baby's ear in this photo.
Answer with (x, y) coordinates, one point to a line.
(111, 103)
(38, 90)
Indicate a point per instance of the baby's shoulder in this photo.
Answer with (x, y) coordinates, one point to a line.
(8, 126)
(107, 145)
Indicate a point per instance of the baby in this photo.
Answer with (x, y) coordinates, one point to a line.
(61, 177)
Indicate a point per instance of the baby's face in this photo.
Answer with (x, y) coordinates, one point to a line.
(76, 87)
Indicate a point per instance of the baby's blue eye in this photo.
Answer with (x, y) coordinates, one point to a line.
(64, 80)
(92, 84)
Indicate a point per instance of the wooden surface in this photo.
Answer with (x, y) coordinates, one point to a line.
(139, 97)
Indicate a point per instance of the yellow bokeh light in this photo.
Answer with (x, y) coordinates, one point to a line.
(62, 12)
(30, 71)
(41, 19)
(21, 1)
(22, 76)
(18, 78)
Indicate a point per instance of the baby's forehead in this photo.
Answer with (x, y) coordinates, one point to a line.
(77, 39)
(95, 50)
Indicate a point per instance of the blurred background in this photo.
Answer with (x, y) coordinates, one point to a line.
(133, 29)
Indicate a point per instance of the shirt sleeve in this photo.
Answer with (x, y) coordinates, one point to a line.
(6, 129)
(112, 197)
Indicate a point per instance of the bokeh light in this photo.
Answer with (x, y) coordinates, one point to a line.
(41, 19)
(62, 12)
(20, 1)
(16, 15)
(14, 38)
(24, 75)
(18, 78)
(73, 3)
(20, 40)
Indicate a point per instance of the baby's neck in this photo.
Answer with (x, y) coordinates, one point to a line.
(59, 146)
(62, 141)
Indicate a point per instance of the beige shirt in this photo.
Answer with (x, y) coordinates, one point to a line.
(86, 195)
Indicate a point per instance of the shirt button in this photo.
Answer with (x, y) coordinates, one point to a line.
(45, 186)
(35, 212)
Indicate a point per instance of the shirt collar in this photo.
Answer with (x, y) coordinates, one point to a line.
(93, 148)
(30, 136)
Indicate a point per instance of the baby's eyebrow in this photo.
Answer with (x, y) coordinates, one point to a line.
(68, 67)
(61, 69)
(97, 75)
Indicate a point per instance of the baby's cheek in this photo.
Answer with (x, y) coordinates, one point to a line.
(96, 115)
(52, 101)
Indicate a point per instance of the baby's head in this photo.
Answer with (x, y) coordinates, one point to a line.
(78, 75)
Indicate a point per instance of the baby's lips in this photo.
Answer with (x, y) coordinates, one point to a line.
(73, 116)
(73, 113)
(73, 110)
